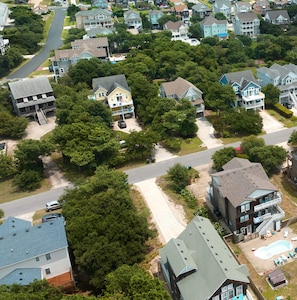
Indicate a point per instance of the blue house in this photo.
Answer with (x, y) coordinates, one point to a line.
(154, 16)
(211, 27)
(247, 89)
(34, 252)
(100, 3)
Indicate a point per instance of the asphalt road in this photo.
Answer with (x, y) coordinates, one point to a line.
(53, 42)
(33, 203)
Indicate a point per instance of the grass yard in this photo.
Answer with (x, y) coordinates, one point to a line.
(8, 193)
(292, 122)
(191, 145)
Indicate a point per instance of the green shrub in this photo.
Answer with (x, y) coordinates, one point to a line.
(190, 199)
(173, 144)
(27, 180)
(283, 111)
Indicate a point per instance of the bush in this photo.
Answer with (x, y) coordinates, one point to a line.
(190, 199)
(179, 176)
(173, 144)
(283, 111)
(27, 180)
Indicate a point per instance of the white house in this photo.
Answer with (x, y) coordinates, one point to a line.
(34, 252)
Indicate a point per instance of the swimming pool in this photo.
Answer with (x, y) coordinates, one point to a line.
(273, 249)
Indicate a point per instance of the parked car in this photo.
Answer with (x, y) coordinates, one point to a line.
(53, 205)
(122, 124)
(51, 217)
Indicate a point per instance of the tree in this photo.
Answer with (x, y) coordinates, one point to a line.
(12, 127)
(270, 157)
(27, 180)
(195, 31)
(71, 11)
(165, 18)
(220, 97)
(221, 157)
(271, 94)
(113, 233)
(140, 145)
(134, 282)
(293, 139)
(7, 166)
(220, 16)
(179, 175)
(248, 143)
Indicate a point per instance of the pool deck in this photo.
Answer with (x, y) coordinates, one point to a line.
(264, 266)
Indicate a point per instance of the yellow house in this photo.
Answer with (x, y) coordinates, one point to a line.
(114, 92)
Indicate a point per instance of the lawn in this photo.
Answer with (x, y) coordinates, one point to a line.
(8, 193)
(191, 145)
(287, 122)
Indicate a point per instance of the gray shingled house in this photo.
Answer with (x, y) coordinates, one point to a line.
(32, 98)
(198, 265)
(246, 198)
(183, 89)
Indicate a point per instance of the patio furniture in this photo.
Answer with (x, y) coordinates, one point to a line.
(281, 262)
(276, 262)
(284, 258)
(286, 232)
(294, 238)
(292, 254)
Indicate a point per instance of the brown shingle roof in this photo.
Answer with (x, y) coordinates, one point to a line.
(240, 178)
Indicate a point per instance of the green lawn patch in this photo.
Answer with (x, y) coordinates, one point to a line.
(191, 145)
(292, 122)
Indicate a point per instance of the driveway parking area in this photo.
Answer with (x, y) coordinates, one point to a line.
(270, 124)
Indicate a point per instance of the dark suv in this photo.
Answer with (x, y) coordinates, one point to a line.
(50, 217)
(122, 124)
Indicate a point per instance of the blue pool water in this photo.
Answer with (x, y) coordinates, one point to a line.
(273, 249)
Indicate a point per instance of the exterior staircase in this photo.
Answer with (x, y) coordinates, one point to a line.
(42, 120)
(294, 99)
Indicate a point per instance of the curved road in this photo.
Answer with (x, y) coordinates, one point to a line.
(53, 42)
(36, 202)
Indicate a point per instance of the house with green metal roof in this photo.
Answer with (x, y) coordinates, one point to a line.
(199, 265)
(34, 252)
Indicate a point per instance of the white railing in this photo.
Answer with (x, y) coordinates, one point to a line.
(294, 99)
(267, 204)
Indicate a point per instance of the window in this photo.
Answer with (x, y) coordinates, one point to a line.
(244, 218)
(37, 258)
(48, 256)
(239, 290)
(245, 207)
(119, 97)
(216, 298)
(47, 271)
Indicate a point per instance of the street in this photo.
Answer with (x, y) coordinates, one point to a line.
(53, 42)
(33, 203)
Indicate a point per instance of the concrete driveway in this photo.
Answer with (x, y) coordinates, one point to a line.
(270, 124)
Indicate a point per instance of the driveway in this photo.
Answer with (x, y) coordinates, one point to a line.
(270, 124)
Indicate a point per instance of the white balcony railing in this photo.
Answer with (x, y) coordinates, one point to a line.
(269, 203)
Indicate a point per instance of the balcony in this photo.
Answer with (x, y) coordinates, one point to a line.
(275, 201)
(123, 111)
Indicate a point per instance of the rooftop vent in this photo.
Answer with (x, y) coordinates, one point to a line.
(14, 234)
(27, 230)
(39, 226)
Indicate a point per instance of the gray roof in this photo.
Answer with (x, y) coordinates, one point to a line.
(23, 242)
(109, 83)
(247, 16)
(92, 12)
(210, 20)
(179, 87)
(93, 32)
(274, 14)
(241, 77)
(201, 261)
(22, 276)
(200, 7)
(221, 3)
(174, 25)
(28, 87)
(240, 178)
(268, 72)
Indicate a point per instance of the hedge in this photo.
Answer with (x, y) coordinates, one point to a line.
(283, 111)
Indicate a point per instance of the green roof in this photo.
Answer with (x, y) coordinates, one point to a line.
(200, 252)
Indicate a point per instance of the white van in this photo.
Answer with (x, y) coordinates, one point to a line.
(52, 205)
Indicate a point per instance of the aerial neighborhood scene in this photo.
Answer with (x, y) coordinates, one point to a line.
(148, 149)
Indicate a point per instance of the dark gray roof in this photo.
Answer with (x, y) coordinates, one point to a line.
(201, 261)
(210, 20)
(246, 16)
(274, 14)
(92, 12)
(109, 83)
(30, 87)
(200, 7)
(24, 242)
(240, 178)
(240, 77)
(268, 72)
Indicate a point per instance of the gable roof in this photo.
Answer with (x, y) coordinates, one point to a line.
(220, 3)
(240, 178)
(196, 255)
(274, 14)
(131, 15)
(179, 87)
(174, 25)
(109, 83)
(200, 7)
(210, 20)
(24, 242)
(242, 78)
(22, 276)
(92, 12)
(28, 87)
(179, 8)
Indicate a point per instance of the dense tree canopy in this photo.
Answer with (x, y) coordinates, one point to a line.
(248, 143)
(12, 127)
(222, 156)
(271, 94)
(103, 227)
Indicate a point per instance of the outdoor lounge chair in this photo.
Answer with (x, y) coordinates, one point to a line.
(281, 261)
(286, 232)
(284, 258)
(294, 238)
(276, 262)
(292, 254)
